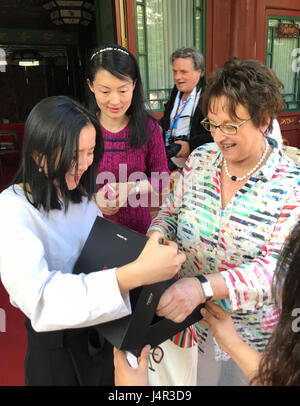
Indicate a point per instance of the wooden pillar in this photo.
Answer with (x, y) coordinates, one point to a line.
(125, 24)
(243, 29)
(218, 23)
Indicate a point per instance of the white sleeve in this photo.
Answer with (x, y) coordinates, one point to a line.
(276, 134)
(51, 299)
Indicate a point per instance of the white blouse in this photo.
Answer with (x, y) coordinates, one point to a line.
(37, 253)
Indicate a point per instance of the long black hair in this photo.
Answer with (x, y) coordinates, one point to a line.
(51, 133)
(122, 64)
(280, 365)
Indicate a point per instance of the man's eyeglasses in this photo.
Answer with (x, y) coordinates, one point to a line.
(229, 129)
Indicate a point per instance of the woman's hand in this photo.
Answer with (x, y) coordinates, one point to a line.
(180, 299)
(125, 375)
(107, 200)
(112, 196)
(124, 190)
(159, 261)
(221, 325)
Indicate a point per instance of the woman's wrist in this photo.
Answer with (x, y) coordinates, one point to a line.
(245, 356)
(129, 277)
(234, 346)
(133, 188)
(218, 286)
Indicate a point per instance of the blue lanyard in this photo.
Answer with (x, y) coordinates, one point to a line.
(177, 116)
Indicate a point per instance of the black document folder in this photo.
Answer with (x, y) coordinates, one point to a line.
(112, 245)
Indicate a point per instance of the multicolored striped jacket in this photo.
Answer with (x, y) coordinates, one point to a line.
(241, 241)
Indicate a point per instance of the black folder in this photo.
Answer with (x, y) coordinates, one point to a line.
(112, 245)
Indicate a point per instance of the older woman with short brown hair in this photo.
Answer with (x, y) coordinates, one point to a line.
(231, 213)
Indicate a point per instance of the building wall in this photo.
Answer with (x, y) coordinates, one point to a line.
(233, 28)
(238, 28)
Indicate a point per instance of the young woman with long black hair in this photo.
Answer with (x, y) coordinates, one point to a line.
(134, 161)
(46, 217)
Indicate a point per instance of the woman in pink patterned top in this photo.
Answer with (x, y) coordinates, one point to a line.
(134, 166)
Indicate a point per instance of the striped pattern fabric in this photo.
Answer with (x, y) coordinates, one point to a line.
(241, 241)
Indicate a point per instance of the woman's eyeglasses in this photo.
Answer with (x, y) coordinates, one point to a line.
(229, 129)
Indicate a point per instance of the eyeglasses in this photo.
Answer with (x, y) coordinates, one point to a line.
(229, 129)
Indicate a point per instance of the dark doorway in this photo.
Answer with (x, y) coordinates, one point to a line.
(38, 58)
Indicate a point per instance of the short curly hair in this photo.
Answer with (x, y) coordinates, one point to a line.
(249, 83)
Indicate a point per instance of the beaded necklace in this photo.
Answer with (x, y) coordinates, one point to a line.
(235, 178)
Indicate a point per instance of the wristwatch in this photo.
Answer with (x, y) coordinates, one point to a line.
(206, 286)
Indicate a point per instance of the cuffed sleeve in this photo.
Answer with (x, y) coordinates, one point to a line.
(37, 254)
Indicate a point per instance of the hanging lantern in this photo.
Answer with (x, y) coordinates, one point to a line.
(70, 12)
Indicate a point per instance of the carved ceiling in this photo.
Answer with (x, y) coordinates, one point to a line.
(29, 14)
(24, 14)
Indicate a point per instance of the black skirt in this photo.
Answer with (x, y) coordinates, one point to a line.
(73, 357)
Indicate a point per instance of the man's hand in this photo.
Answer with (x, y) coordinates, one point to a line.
(180, 299)
(184, 151)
